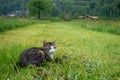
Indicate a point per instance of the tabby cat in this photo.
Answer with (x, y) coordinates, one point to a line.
(37, 55)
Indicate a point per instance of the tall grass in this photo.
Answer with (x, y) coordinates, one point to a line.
(110, 26)
(12, 23)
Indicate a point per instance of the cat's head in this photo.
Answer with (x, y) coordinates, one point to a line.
(49, 47)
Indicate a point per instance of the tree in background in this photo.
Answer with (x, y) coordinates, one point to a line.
(73, 8)
(37, 7)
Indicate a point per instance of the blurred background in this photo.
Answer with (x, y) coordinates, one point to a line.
(67, 9)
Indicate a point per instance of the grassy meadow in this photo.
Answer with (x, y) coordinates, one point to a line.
(12, 23)
(85, 50)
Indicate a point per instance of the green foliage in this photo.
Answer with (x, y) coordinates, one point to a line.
(54, 19)
(109, 8)
(65, 16)
(81, 54)
(106, 8)
(10, 6)
(12, 23)
(109, 26)
(36, 7)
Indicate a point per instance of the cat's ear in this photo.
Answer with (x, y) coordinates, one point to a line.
(44, 42)
(54, 41)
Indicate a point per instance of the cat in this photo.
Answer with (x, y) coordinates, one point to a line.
(37, 55)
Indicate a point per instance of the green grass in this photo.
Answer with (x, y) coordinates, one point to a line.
(110, 26)
(12, 23)
(91, 55)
